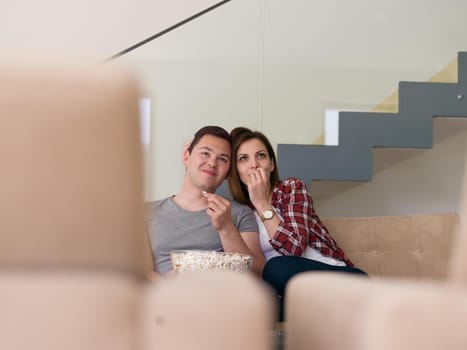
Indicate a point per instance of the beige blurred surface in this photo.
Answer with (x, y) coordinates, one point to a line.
(71, 225)
(71, 183)
(334, 312)
(72, 236)
(208, 310)
(68, 310)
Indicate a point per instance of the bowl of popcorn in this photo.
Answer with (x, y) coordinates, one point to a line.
(196, 260)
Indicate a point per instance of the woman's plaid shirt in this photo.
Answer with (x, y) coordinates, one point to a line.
(301, 225)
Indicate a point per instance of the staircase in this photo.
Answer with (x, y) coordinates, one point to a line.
(360, 132)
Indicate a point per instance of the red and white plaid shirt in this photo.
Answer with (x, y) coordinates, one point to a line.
(301, 224)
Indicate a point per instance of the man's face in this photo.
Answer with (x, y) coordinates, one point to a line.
(208, 164)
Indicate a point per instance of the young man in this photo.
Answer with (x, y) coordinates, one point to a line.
(196, 217)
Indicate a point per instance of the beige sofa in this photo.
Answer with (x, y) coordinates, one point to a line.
(412, 246)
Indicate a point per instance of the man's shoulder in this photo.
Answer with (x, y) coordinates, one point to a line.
(157, 203)
(153, 206)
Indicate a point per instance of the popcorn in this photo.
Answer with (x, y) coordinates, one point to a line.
(192, 260)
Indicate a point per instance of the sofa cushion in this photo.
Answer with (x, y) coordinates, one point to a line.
(397, 246)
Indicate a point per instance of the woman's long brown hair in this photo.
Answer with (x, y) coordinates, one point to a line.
(240, 135)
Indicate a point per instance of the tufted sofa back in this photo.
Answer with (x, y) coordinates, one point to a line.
(415, 246)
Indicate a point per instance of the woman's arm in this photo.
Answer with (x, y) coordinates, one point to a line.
(296, 208)
(301, 223)
(288, 233)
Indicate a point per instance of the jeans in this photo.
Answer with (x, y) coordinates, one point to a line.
(279, 270)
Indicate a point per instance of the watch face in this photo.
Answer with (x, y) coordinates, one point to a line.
(267, 214)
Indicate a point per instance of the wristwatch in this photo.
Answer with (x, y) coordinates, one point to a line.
(267, 215)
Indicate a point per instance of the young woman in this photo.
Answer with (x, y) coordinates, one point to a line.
(292, 237)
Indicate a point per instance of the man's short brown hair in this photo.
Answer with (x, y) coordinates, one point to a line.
(213, 130)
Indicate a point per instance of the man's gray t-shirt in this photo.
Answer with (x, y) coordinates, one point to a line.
(171, 228)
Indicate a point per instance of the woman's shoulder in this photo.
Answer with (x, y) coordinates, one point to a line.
(292, 183)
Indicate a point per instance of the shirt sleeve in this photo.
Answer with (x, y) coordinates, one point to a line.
(291, 237)
(244, 218)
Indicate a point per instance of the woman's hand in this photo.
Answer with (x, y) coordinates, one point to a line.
(258, 188)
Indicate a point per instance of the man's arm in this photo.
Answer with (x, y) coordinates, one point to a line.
(244, 243)
(219, 209)
(251, 239)
(149, 262)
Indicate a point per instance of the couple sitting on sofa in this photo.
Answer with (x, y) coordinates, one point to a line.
(283, 233)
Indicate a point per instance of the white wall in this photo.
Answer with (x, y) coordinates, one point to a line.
(427, 181)
(206, 73)
(102, 27)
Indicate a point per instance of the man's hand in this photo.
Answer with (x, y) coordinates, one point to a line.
(219, 211)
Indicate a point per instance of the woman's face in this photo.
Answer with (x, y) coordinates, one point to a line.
(252, 154)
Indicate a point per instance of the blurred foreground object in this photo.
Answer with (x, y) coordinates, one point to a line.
(209, 310)
(71, 183)
(71, 211)
(72, 229)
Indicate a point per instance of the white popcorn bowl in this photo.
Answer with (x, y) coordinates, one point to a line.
(196, 260)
